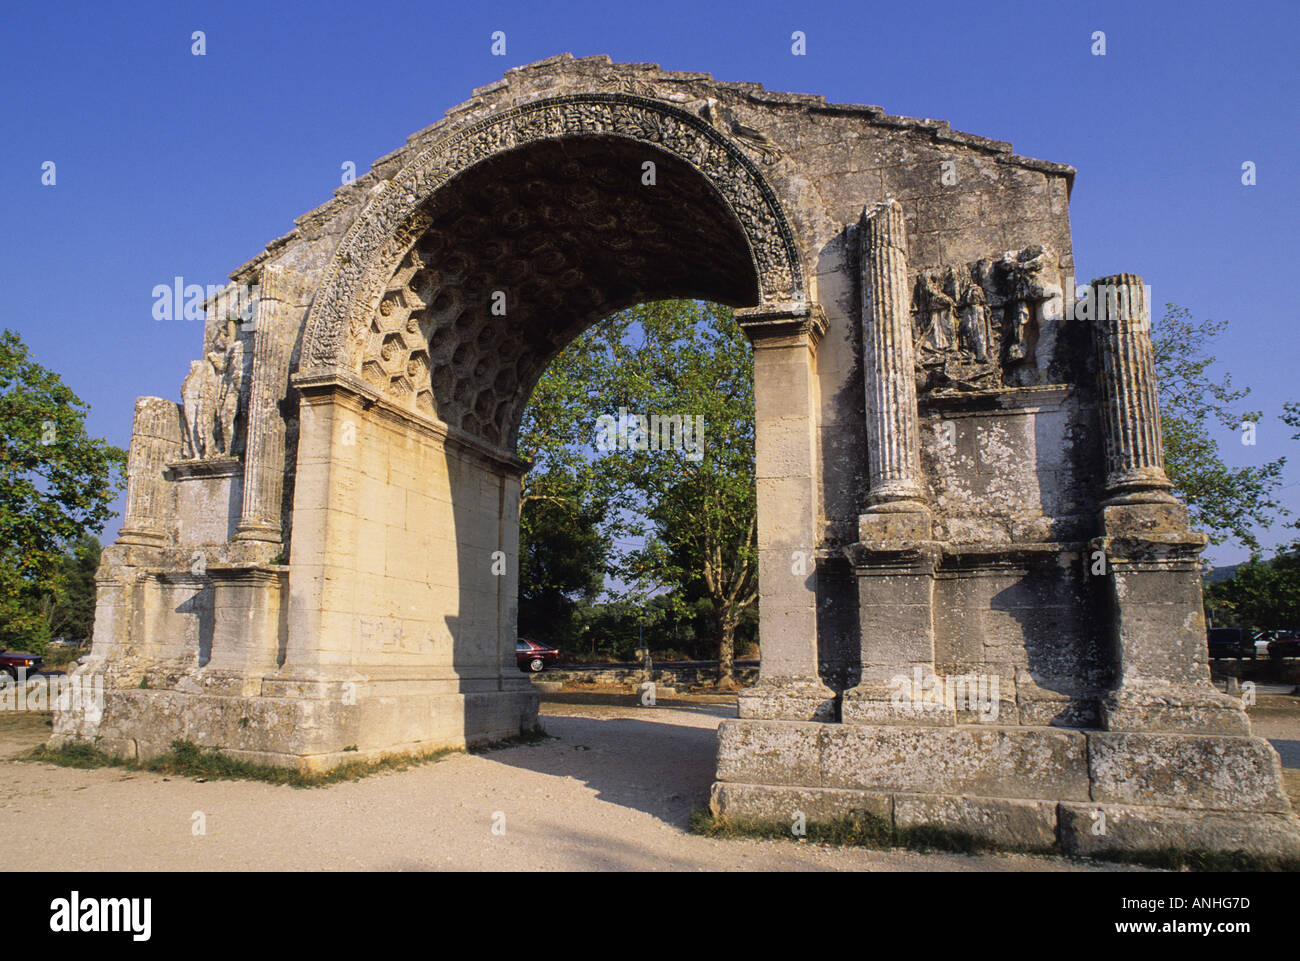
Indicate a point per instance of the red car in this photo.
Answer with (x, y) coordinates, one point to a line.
(12, 661)
(534, 656)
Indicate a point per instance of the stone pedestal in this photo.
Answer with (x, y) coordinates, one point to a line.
(896, 611)
(1087, 792)
(1153, 587)
(250, 624)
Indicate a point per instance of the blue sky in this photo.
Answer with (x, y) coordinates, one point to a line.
(172, 164)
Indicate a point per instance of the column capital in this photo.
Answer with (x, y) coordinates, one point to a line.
(786, 324)
(883, 225)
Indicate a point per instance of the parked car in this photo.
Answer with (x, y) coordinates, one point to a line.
(1284, 647)
(11, 661)
(534, 655)
(1231, 642)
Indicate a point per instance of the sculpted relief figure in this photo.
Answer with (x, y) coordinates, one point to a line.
(974, 329)
(954, 338)
(199, 398)
(1024, 278)
(933, 310)
(977, 325)
(229, 398)
(211, 396)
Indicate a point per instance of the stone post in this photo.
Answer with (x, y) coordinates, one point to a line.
(894, 559)
(785, 339)
(1152, 580)
(264, 458)
(155, 440)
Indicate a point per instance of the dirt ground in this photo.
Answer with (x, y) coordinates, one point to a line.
(612, 791)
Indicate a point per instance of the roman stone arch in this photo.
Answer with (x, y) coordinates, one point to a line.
(318, 559)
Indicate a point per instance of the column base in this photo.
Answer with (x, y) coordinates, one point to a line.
(1174, 710)
(789, 699)
(875, 703)
(141, 537)
(257, 531)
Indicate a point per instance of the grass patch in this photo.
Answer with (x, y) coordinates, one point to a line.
(857, 830)
(187, 759)
(872, 831)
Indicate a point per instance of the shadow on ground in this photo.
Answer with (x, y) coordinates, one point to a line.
(660, 760)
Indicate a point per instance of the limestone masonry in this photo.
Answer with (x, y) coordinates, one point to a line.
(305, 570)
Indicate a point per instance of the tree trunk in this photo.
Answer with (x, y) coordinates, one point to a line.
(726, 652)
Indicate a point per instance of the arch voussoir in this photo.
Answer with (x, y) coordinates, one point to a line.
(391, 222)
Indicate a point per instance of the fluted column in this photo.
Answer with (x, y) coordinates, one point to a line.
(155, 440)
(889, 361)
(1130, 411)
(264, 458)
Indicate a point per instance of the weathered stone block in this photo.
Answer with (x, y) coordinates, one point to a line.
(995, 762)
(1006, 823)
(772, 804)
(1097, 829)
(1187, 771)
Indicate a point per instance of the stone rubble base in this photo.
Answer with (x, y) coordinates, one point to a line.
(306, 733)
(1089, 792)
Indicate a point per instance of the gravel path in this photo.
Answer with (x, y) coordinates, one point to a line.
(612, 791)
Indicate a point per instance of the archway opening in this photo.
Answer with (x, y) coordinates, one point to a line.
(638, 519)
(527, 249)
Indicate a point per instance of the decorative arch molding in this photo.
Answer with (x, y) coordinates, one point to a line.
(393, 219)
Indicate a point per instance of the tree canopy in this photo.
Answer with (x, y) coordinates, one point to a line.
(643, 436)
(57, 485)
(1225, 502)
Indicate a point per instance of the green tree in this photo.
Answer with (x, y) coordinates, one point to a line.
(691, 360)
(563, 556)
(69, 608)
(1225, 502)
(690, 511)
(1260, 594)
(565, 525)
(57, 483)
